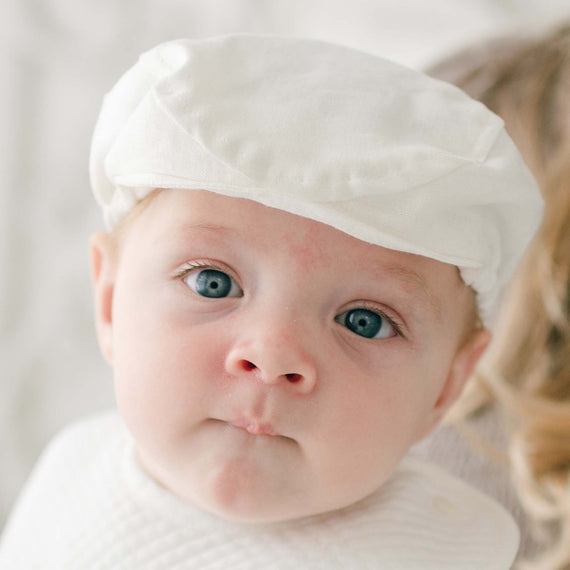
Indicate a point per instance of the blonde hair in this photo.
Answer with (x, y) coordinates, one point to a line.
(527, 371)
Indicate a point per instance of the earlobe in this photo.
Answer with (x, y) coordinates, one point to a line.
(103, 265)
(461, 369)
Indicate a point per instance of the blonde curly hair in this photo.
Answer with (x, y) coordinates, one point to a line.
(527, 370)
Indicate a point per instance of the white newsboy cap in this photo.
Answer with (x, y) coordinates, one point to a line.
(369, 147)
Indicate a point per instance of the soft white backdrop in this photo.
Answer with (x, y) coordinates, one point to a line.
(57, 59)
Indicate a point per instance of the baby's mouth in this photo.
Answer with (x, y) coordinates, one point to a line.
(253, 427)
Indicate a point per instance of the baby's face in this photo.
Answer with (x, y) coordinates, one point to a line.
(269, 366)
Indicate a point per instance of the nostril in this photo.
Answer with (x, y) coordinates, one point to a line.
(247, 365)
(293, 378)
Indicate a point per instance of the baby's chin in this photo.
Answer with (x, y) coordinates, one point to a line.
(231, 494)
(235, 493)
(231, 499)
(233, 490)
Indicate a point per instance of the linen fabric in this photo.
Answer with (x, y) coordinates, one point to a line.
(376, 150)
(89, 505)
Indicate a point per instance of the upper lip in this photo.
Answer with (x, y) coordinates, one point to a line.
(253, 426)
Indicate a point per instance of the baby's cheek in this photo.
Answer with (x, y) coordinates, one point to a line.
(148, 379)
(383, 416)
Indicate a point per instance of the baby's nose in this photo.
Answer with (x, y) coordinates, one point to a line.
(273, 359)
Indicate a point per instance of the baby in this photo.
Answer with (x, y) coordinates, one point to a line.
(307, 246)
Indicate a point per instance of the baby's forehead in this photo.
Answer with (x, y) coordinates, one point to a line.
(183, 215)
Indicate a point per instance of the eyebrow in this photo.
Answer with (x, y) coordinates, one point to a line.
(417, 283)
(192, 227)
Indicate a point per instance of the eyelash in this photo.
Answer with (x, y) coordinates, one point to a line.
(194, 265)
(199, 264)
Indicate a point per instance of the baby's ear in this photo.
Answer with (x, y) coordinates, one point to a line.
(461, 369)
(103, 269)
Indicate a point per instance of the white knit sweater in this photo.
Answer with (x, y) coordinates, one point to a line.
(88, 506)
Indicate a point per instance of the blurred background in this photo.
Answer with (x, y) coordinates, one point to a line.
(57, 59)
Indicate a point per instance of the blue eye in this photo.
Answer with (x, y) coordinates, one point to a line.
(213, 284)
(367, 324)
